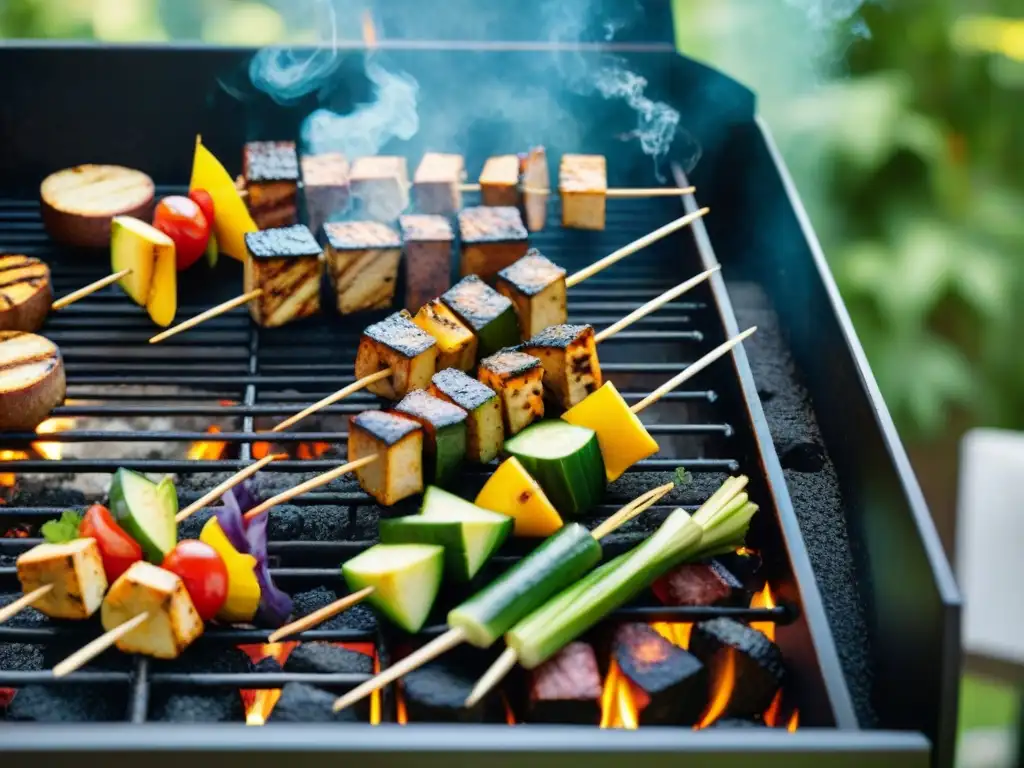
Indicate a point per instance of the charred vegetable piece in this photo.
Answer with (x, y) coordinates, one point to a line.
(380, 184)
(271, 172)
(325, 187)
(566, 462)
(499, 181)
(533, 170)
(623, 438)
(518, 380)
(566, 688)
(396, 342)
(707, 583)
(405, 580)
(285, 264)
(511, 491)
(397, 442)
(485, 430)
(437, 691)
(146, 511)
(492, 238)
(569, 356)
(428, 257)
(536, 286)
(582, 184)
(362, 262)
(25, 293)
(75, 569)
(32, 381)
(486, 312)
(444, 433)
(437, 181)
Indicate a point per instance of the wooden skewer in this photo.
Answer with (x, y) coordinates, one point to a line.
(84, 655)
(91, 288)
(333, 398)
(615, 192)
(227, 485)
(313, 482)
(23, 602)
(202, 317)
(320, 616)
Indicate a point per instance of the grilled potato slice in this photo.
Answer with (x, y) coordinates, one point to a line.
(485, 429)
(397, 442)
(569, 356)
(456, 344)
(436, 183)
(286, 264)
(75, 570)
(492, 238)
(79, 203)
(536, 286)
(31, 380)
(582, 183)
(25, 293)
(396, 342)
(362, 262)
(518, 379)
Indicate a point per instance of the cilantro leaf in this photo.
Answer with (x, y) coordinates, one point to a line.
(63, 530)
(681, 477)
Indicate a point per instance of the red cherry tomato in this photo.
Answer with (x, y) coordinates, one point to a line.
(118, 549)
(204, 574)
(182, 220)
(202, 198)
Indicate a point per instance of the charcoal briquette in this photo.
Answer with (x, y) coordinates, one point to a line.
(213, 707)
(700, 584)
(437, 692)
(300, 703)
(327, 658)
(759, 669)
(69, 703)
(566, 688)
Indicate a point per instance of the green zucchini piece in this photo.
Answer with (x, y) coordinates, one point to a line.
(486, 430)
(559, 561)
(444, 431)
(565, 460)
(146, 511)
(491, 316)
(405, 580)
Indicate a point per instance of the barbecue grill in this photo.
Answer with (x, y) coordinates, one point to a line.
(868, 611)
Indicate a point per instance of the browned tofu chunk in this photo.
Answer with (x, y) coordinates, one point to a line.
(536, 286)
(397, 442)
(569, 356)
(73, 571)
(324, 187)
(396, 342)
(518, 379)
(381, 186)
(285, 264)
(428, 258)
(582, 183)
(271, 173)
(536, 188)
(499, 181)
(492, 238)
(362, 262)
(436, 183)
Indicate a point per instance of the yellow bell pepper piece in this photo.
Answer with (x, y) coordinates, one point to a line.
(511, 491)
(231, 217)
(622, 437)
(243, 589)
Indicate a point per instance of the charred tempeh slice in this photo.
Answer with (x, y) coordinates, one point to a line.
(76, 572)
(566, 688)
(428, 257)
(582, 184)
(396, 342)
(444, 433)
(536, 188)
(492, 238)
(569, 356)
(499, 181)
(759, 667)
(707, 583)
(486, 431)
(25, 293)
(536, 285)
(397, 442)
(518, 380)
(271, 173)
(486, 312)
(325, 180)
(437, 181)
(285, 263)
(362, 262)
(456, 344)
(32, 380)
(381, 185)
(674, 681)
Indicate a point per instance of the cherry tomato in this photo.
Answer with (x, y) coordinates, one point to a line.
(118, 549)
(202, 198)
(182, 220)
(204, 574)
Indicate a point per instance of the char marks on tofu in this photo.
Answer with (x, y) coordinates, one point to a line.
(437, 181)
(396, 342)
(362, 262)
(583, 184)
(566, 688)
(397, 442)
(381, 186)
(444, 433)
(518, 379)
(428, 257)
(73, 570)
(695, 584)
(492, 239)
(491, 316)
(485, 429)
(285, 264)
(571, 366)
(271, 173)
(456, 343)
(325, 187)
(536, 285)
(499, 181)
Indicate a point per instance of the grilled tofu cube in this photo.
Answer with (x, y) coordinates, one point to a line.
(518, 379)
(582, 183)
(428, 257)
(485, 429)
(536, 286)
(396, 342)
(492, 238)
(499, 181)
(173, 623)
(362, 262)
(271, 173)
(397, 442)
(484, 311)
(456, 344)
(381, 185)
(325, 180)
(285, 263)
(569, 356)
(436, 183)
(533, 169)
(76, 572)
(444, 433)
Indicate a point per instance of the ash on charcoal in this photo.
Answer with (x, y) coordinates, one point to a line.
(327, 658)
(436, 692)
(285, 524)
(321, 522)
(300, 703)
(69, 703)
(20, 657)
(45, 493)
(358, 617)
(708, 583)
(269, 665)
(675, 681)
(566, 688)
(220, 707)
(367, 523)
(191, 527)
(758, 663)
(633, 484)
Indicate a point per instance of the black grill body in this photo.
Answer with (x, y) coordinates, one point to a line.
(896, 701)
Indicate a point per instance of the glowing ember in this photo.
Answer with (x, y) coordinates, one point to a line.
(510, 717)
(764, 599)
(9, 479)
(259, 450)
(678, 634)
(308, 451)
(621, 700)
(400, 714)
(52, 451)
(369, 31)
(771, 715)
(208, 450)
(723, 685)
(259, 703)
(20, 531)
(794, 721)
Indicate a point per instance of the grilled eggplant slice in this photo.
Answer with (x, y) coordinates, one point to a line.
(428, 257)
(436, 183)
(518, 379)
(569, 356)
(25, 293)
(456, 344)
(582, 184)
(485, 429)
(396, 342)
(444, 433)
(31, 380)
(397, 442)
(75, 570)
(536, 286)
(492, 238)
(325, 187)
(79, 203)
(271, 173)
(362, 261)
(536, 188)
(286, 264)
(486, 312)
(499, 181)
(381, 185)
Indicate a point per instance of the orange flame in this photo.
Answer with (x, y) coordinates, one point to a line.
(794, 721)
(724, 683)
(620, 700)
(259, 450)
(764, 599)
(209, 450)
(260, 702)
(400, 714)
(678, 634)
(9, 479)
(309, 451)
(52, 451)
(369, 31)
(771, 715)
(510, 717)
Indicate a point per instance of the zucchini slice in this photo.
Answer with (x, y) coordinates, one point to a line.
(146, 511)
(486, 312)
(486, 431)
(511, 491)
(405, 580)
(444, 433)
